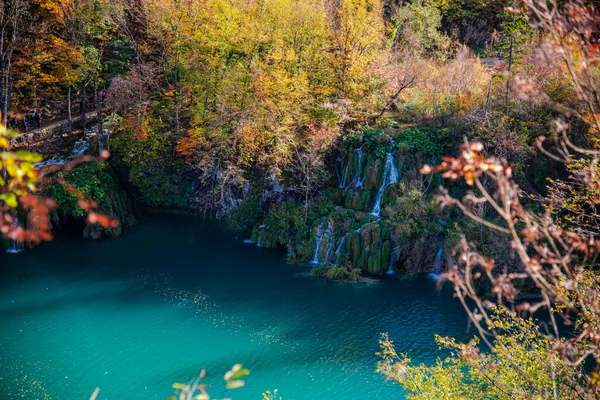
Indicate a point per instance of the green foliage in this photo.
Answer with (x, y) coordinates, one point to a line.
(243, 217)
(286, 223)
(417, 29)
(514, 34)
(377, 141)
(425, 141)
(154, 166)
(196, 390)
(352, 140)
(90, 179)
(336, 273)
(412, 215)
(521, 360)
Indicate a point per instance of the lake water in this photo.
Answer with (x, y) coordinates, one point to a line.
(174, 295)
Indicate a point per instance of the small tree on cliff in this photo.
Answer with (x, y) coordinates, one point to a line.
(308, 166)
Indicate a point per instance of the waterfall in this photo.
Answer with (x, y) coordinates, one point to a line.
(319, 237)
(339, 171)
(321, 233)
(78, 149)
(390, 175)
(16, 246)
(53, 161)
(329, 235)
(263, 226)
(357, 180)
(390, 270)
(438, 262)
(342, 180)
(338, 251)
(339, 248)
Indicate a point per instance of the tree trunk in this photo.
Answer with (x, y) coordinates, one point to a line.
(306, 198)
(99, 116)
(10, 89)
(2, 81)
(5, 99)
(69, 116)
(510, 60)
(82, 107)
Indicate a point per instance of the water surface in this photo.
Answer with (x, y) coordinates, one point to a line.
(174, 295)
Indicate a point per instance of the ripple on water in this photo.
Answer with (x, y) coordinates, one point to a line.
(173, 296)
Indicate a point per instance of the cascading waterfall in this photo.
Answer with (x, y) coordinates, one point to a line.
(263, 226)
(357, 180)
(438, 262)
(339, 171)
(329, 235)
(339, 248)
(322, 232)
(342, 180)
(390, 270)
(79, 148)
(53, 161)
(319, 237)
(15, 245)
(390, 175)
(338, 251)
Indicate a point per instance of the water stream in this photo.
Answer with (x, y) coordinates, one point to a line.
(438, 263)
(357, 179)
(16, 246)
(390, 175)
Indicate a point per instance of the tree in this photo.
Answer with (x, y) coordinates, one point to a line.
(357, 31)
(308, 166)
(515, 33)
(12, 20)
(417, 29)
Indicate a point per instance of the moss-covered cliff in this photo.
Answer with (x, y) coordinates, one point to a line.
(376, 215)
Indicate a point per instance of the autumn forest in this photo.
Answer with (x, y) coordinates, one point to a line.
(351, 198)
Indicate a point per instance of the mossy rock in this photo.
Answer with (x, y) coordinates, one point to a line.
(388, 198)
(371, 234)
(300, 250)
(254, 235)
(353, 247)
(385, 254)
(373, 174)
(335, 195)
(374, 264)
(358, 199)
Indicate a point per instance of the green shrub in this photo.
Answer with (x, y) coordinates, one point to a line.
(336, 273)
(425, 141)
(378, 142)
(243, 217)
(92, 180)
(521, 358)
(352, 140)
(154, 166)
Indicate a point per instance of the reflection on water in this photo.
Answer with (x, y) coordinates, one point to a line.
(175, 295)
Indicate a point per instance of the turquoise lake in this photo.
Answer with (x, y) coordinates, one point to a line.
(175, 295)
